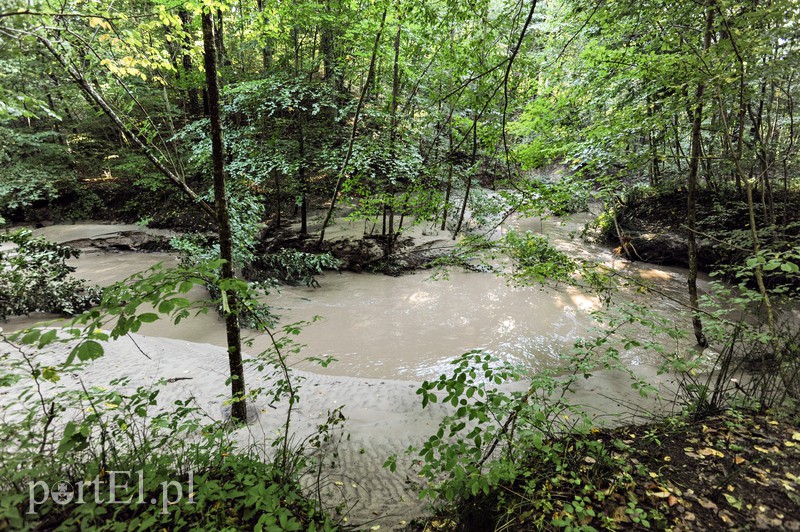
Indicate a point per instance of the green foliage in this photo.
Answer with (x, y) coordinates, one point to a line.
(246, 213)
(294, 267)
(508, 458)
(35, 277)
(545, 129)
(459, 447)
(535, 260)
(32, 167)
(129, 432)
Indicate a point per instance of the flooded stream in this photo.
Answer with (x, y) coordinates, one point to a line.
(409, 327)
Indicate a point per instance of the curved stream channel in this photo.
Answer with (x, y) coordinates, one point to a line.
(409, 327)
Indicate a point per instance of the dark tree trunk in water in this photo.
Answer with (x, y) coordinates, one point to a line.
(301, 173)
(469, 177)
(239, 409)
(393, 135)
(694, 165)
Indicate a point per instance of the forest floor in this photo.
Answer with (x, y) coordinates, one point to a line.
(730, 471)
(726, 471)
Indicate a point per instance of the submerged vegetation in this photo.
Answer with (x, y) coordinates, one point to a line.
(253, 127)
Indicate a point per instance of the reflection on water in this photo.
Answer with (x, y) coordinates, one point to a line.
(408, 327)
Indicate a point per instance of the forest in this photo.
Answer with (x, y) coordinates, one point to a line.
(632, 163)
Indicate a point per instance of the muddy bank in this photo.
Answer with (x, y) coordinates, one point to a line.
(94, 237)
(653, 225)
(359, 246)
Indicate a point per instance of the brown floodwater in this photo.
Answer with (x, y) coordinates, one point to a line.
(410, 327)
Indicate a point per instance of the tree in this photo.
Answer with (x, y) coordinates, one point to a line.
(233, 332)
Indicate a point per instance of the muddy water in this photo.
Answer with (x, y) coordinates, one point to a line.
(409, 327)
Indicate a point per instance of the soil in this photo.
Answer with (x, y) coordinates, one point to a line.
(360, 252)
(723, 472)
(731, 471)
(655, 225)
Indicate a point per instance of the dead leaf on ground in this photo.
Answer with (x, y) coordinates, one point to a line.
(708, 451)
(708, 505)
(672, 500)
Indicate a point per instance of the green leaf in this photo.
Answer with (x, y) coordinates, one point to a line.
(225, 306)
(31, 337)
(733, 501)
(148, 317)
(88, 350)
(790, 267)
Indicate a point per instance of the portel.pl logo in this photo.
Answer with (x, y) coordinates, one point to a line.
(111, 491)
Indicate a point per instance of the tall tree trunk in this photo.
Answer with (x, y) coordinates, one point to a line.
(238, 408)
(327, 47)
(449, 186)
(301, 141)
(691, 202)
(266, 50)
(278, 196)
(757, 270)
(393, 133)
(678, 149)
(192, 94)
(788, 152)
(351, 142)
(301, 172)
(653, 169)
(474, 158)
(219, 40)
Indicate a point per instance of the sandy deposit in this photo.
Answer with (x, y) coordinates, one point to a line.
(384, 416)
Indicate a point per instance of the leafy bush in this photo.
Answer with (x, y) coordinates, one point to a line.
(536, 260)
(34, 277)
(245, 214)
(503, 458)
(32, 165)
(123, 432)
(294, 267)
(55, 435)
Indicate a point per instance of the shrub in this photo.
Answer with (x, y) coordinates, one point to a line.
(35, 277)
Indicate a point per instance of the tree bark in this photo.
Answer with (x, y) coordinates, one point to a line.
(691, 201)
(469, 177)
(238, 408)
(301, 173)
(302, 179)
(192, 94)
(219, 41)
(349, 154)
(266, 50)
(449, 186)
(393, 135)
